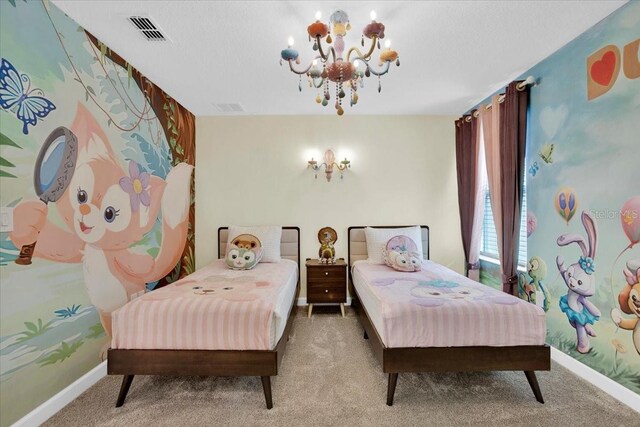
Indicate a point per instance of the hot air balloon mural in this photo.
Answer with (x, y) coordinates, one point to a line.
(630, 219)
(566, 203)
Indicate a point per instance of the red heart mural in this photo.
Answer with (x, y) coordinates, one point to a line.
(602, 70)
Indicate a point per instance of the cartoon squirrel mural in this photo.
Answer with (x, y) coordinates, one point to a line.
(106, 210)
(629, 300)
(581, 283)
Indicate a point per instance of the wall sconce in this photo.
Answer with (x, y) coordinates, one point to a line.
(329, 163)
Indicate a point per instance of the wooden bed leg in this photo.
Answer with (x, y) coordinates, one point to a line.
(533, 382)
(124, 389)
(391, 388)
(342, 309)
(266, 385)
(310, 310)
(366, 337)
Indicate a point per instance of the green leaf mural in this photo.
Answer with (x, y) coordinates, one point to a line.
(63, 352)
(34, 330)
(96, 331)
(4, 163)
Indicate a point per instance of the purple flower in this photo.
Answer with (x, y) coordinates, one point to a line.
(136, 184)
(587, 264)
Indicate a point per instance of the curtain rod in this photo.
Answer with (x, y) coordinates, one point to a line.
(520, 87)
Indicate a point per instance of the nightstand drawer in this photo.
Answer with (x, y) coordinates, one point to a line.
(315, 283)
(337, 274)
(326, 294)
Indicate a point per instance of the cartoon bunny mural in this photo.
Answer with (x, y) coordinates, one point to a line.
(581, 283)
(106, 210)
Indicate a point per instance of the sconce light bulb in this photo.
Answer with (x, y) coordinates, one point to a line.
(356, 63)
(387, 44)
(373, 15)
(290, 41)
(318, 15)
(314, 62)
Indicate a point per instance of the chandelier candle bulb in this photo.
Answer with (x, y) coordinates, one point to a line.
(290, 41)
(372, 15)
(318, 15)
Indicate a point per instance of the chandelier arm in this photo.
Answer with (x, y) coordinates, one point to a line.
(382, 72)
(374, 39)
(305, 71)
(322, 54)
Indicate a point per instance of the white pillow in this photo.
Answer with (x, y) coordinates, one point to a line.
(377, 239)
(269, 235)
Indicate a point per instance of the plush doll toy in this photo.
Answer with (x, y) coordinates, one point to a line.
(327, 237)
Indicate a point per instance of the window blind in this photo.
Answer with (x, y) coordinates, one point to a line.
(489, 244)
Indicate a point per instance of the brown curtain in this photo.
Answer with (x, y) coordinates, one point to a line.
(513, 129)
(467, 170)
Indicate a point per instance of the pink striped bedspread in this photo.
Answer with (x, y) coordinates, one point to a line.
(214, 308)
(437, 307)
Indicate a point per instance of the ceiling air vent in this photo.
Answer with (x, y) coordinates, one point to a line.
(229, 108)
(147, 28)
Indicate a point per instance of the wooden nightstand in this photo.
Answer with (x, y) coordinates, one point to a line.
(326, 283)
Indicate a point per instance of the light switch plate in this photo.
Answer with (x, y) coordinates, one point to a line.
(6, 219)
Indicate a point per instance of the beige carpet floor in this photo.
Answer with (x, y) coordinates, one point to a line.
(329, 376)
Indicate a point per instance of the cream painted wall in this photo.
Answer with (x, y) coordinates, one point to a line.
(252, 170)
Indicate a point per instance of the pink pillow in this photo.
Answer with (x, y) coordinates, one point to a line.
(401, 253)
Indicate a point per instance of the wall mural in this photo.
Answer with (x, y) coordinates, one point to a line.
(583, 198)
(96, 162)
(583, 190)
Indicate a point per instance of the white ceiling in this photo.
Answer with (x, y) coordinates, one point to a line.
(453, 54)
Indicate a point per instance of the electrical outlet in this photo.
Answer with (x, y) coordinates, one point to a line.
(6, 219)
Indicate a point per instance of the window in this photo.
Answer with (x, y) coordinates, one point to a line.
(489, 243)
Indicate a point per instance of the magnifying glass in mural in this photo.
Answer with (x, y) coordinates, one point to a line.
(54, 168)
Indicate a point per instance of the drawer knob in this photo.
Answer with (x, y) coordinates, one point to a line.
(326, 291)
(326, 273)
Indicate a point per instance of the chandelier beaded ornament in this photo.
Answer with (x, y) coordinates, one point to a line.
(329, 65)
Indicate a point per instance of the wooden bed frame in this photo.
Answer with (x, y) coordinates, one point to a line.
(442, 359)
(262, 363)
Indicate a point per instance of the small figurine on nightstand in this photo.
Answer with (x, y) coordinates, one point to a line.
(327, 237)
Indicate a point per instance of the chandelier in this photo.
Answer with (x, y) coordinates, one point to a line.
(329, 64)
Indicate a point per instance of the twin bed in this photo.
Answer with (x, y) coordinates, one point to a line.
(216, 322)
(436, 320)
(222, 322)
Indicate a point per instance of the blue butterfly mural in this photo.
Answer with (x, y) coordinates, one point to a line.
(533, 170)
(31, 103)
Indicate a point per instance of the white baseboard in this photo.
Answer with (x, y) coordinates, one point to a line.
(303, 302)
(49, 408)
(604, 383)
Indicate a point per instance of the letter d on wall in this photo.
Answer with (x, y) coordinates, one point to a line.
(603, 67)
(631, 61)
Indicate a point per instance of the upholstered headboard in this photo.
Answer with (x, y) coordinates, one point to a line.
(358, 242)
(289, 243)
